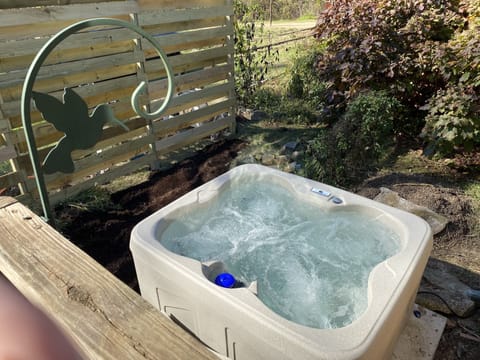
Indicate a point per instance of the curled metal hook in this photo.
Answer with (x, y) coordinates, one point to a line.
(33, 72)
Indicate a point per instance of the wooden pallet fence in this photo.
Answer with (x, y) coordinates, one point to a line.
(104, 64)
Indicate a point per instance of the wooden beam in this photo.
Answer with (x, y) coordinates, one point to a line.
(35, 15)
(11, 4)
(180, 4)
(105, 318)
(191, 136)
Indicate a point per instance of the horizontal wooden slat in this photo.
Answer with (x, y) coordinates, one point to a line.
(7, 153)
(191, 80)
(8, 180)
(110, 136)
(80, 40)
(184, 25)
(187, 40)
(13, 4)
(188, 61)
(197, 116)
(180, 4)
(4, 124)
(59, 83)
(67, 55)
(188, 137)
(42, 29)
(110, 175)
(99, 161)
(45, 133)
(181, 63)
(198, 97)
(164, 16)
(38, 15)
(70, 68)
(93, 94)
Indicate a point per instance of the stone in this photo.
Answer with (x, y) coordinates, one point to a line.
(291, 145)
(291, 167)
(268, 159)
(282, 160)
(438, 280)
(436, 221)
(259, 115)
(420, 337)
(296, 155)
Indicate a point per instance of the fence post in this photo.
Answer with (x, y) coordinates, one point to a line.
(142, 76)
(231, 63)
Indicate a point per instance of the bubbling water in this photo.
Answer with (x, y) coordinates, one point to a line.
(312, 265)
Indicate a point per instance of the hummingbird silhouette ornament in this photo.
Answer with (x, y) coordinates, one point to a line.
(82, 131)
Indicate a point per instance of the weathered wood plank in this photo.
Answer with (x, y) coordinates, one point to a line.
(110, 175)
(93, 94)
(200, 97)
(12, 4)
(46, 134)
(184, 25)
(188, 137)
(7, 153)
(59, 56)
(99, 161)
(11, 179)
(198, 116)
(191, 80)
(71, 80)
(110, 137)
(36, 15)
(81, 40)
(6, 201)
(51, 72)
(189, 61)
(42, 29)
(180, 4)
(104, 317)
(187, 40)
(163, 16)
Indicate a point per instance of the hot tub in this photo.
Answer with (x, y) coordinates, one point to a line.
(321, 273)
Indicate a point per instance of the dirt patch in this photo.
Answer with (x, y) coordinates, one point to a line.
(105, 235)
(443, 198)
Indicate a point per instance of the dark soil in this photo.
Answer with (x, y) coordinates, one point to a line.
(105, 234)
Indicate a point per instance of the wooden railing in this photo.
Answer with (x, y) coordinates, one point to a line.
(105, 318)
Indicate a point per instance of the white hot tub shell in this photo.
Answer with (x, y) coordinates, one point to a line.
(235, 323)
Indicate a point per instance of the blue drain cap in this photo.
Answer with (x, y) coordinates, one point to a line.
(225, 280)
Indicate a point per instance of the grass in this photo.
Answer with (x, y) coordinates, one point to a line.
(93, 199)
(5, 167)
(281, 31)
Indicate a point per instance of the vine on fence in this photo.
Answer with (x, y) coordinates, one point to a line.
(251, 66)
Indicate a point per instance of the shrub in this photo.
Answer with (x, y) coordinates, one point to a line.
(385, 45)
(453, 121)
(305, 82)
(357, 142)
(284, 109)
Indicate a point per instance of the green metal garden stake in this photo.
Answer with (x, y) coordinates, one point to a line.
(71, 117)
